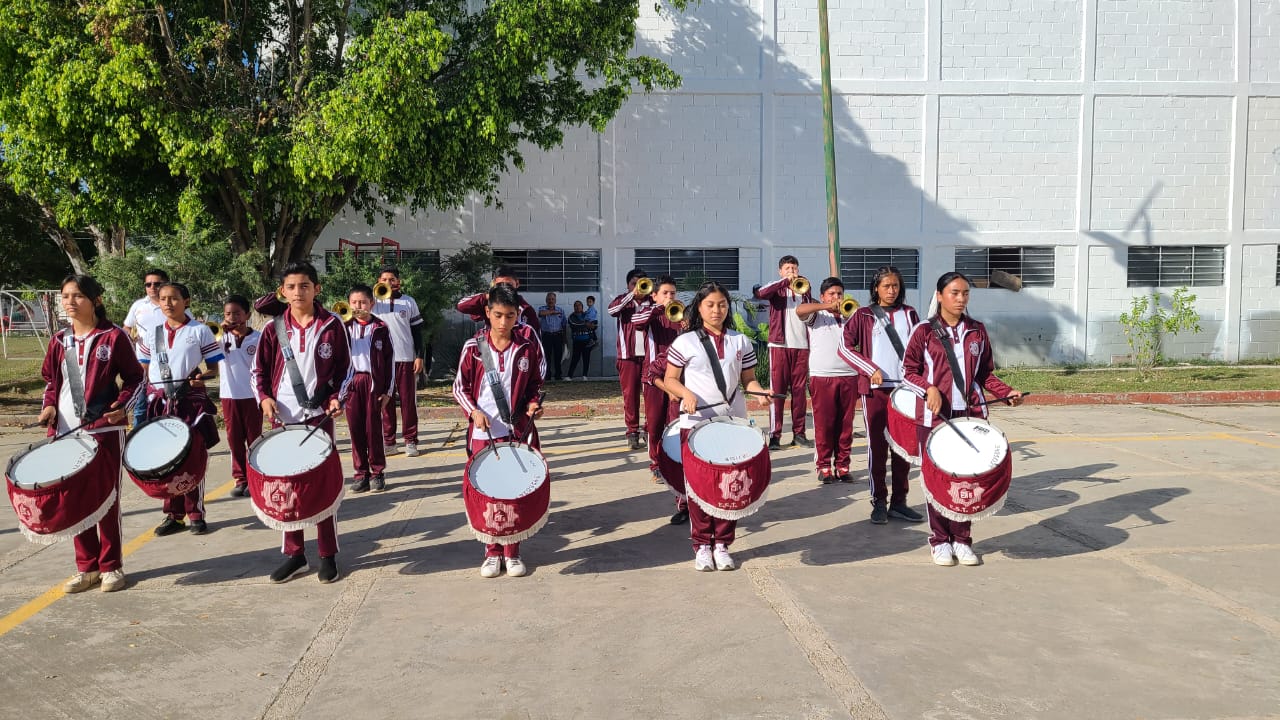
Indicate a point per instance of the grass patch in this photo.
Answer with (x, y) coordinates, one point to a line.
(21, 386)
(1187, 379)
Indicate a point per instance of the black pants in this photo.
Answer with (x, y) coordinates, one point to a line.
(581, 349)
(553, 344)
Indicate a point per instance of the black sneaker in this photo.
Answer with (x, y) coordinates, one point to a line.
(292, 565)
(902, 512)
(199, 527)
(680, 517)
(825, 477)
(360, 485)
(775, 443)
(879, 514)
(378, 483)
(169, 527)
(801, 440)
(328, 570)
(845, 476)
(240, 491)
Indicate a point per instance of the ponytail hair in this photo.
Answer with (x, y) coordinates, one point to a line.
(708, 288)
(91, 289)
(946, 279)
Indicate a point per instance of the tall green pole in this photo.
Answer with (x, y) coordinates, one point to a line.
(829, 144)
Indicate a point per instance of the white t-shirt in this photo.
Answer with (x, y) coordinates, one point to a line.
(826, 334)
(184, 350)
(235, 376)
(360, 335)
(882, 352)
(795, 331)
(738, 355)
(143, 317)
(400, 314)
(505, 362)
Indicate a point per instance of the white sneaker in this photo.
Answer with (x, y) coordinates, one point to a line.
(965, 554)
(515, 567)
(492, 567)
(702, 560)
(81, 582)
(583, 378)
(411, 450)
(113, 580)
(943, 555)
(724, 561)
(390, 450)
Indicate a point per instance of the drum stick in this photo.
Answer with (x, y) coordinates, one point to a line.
(1006, 399)
(320, 424)
(963, 437)
(33, 426)
(492, 445)
(705, 407)
(775, 396)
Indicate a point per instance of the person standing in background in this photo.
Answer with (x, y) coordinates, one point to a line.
(788, 352)
(144, 315)
(553, 321)
(581, 330)
(404, 321)
(632, 312)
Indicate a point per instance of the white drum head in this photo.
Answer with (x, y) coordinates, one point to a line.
(510, 473)
(280, 454)
(952, 454)
(904, 401)
(671, 441)
(157, 444)
(726, 441)
(51, 463)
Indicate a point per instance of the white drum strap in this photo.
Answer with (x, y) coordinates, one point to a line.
(71, 371)
(494, 378)
(161, 354)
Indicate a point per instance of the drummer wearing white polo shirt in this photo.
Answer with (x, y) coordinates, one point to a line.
(404, 321)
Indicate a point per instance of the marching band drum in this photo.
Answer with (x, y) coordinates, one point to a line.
(165, 457)
(295, 477)
(726, 467)
(58, 487)
(507, 491)
(961, 482)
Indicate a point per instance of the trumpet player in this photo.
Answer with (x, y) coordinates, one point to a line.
(404, 322)
(659, 409)
(368, 394)
(832, 383)
(475, 305)
(631, 310)
(240, 411)
(788, 349)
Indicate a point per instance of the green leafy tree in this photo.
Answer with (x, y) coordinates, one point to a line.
(274, 115)
(27, 258)
(1147, 321)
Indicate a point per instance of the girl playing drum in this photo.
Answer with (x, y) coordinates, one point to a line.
(691, 377)
(104, 358)
(519, 368)
(949, 332)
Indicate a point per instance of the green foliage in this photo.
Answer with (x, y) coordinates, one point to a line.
(200, 258)
(1147, 321)
(28, 258)
(275, 119)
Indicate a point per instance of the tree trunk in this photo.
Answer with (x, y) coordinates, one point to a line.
(63, 238)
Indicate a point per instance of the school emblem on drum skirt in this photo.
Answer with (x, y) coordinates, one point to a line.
(280, 496)
(965, 494)
(28, 510)
(183, 483)
(735, 485)
(500, 516)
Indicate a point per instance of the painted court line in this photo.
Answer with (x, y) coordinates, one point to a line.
(53, 594)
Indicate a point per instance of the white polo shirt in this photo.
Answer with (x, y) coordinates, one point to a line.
(186, 347)
(235, 378)
(400, 314)
(826, 334)
(737, 354)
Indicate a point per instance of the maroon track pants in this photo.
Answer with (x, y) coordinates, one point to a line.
(834, 401)
(99, 548)
(875, 418)
(367, 453)
(244, 425)
(629, 372)
(407, 398)
(788, 373)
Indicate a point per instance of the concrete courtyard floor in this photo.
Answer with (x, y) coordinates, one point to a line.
(1134, 573)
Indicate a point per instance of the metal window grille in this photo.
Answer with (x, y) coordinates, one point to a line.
(858, 266)
(1169, 266)
(720, 265)
(1034, 264)
(553, 270)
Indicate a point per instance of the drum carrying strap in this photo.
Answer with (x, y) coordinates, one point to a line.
(890, 330)
(291, 364)
(160, 352)
(716, 369)
(956, 374)
(71, 371)
(494, 378)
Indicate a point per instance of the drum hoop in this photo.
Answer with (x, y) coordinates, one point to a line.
(894, 406)
(925, 449)
(718, 419)
(249, 451)
(167, 468)
(8, 470)
(661, 442)
(502, 446)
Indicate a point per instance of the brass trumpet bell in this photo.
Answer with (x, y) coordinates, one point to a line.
(382, 292)
(847, 306)
(280, 296)
(675, 311)
(644, 287)
(343, 310)
(800, 285)
(215, 328)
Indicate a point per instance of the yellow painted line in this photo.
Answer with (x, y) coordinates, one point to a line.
(1247, 441)
(53, 594)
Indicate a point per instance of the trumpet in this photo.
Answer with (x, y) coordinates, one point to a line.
(280, 296)
(343, 310)
(847, 306)
(800, 285)
(382, 292)
(675, 311)
(215, 328)
(644, 287)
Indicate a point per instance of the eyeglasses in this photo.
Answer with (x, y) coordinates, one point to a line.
(154, 284)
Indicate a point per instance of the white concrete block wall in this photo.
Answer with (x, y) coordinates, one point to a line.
(1260, 303)
(714, 39)
(688, 166)
(1036, 326)
(878, 154)
(878, 39)
(1008, 162)
(1183, 40)
(558, 193)
(1011, 39)
(1262, 163)
(1264, 33)
(1165, 160)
